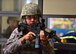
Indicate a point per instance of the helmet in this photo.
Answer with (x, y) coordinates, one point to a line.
(30, 9)
(12, 19)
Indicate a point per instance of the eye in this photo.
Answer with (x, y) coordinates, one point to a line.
(30, 17)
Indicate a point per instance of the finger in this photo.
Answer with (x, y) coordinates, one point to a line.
(42, 33)
(31, 33)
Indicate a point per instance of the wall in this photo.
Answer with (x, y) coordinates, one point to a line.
(61, 7)
(4, 23)
(7, 5)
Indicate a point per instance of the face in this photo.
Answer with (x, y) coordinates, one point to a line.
(13, 23)
(31, 20)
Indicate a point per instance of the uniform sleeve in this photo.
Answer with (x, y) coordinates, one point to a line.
(13, 43)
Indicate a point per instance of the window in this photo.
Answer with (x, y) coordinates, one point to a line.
(61, 24)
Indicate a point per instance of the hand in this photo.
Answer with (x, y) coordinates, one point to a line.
(29, 36)
(43, 38)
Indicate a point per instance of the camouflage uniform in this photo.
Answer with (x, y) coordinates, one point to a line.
(14, 46)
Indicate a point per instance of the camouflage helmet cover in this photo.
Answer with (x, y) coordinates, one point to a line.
(30, 9)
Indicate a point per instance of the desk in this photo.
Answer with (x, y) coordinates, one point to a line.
(65, 48)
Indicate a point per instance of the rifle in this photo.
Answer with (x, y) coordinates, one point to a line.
(24, 28)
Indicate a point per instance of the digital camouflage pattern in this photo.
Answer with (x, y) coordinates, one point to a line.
(30, 9)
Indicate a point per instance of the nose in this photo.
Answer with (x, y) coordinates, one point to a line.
(32, 19)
